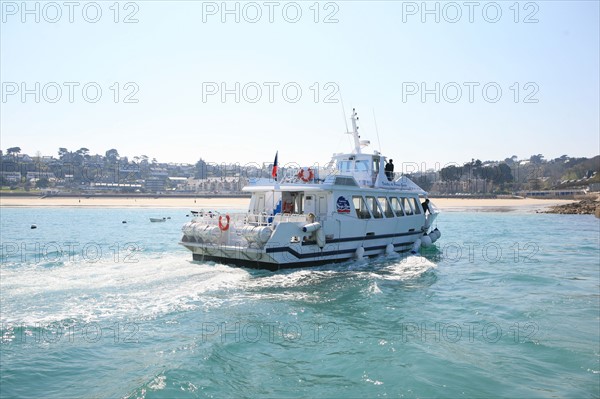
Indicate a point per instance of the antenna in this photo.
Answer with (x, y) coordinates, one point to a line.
(354, 133)
(345, 120)
(344, 111)
(376, 130)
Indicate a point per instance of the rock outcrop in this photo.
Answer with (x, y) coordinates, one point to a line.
(585, 207)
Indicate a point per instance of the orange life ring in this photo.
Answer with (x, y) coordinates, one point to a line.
(224, 226)
(306, 174)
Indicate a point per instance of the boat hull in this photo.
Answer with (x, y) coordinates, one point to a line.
(301, 256)
(250, 264)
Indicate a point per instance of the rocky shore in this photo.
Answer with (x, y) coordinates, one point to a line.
(585, 207)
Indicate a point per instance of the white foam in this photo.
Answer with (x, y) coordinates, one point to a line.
(374, 288)
(158, 383)
(407, 268)
(161, 283)
(89, 291)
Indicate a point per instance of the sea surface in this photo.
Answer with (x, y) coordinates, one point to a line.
(505, 305)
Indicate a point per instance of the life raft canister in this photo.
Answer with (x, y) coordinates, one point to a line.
(224, 226)
(306, 174)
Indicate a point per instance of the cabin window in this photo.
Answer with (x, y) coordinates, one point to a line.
(361, 208)
(417, 206)
(260, 204)
(345, 181)
(345, 166)
(385, 205)
(407, 206)
(361, 166)
(373, 206)
(397, 207)
(376, 165)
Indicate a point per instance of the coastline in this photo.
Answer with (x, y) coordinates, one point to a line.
(124, 202)
(444, 204)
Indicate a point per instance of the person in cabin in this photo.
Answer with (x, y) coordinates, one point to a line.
(389, 169)
(426, 206)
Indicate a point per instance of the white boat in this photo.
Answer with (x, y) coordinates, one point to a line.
(202, 212)
(303, 220)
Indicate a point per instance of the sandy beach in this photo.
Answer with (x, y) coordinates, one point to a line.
(138, 202)
(444, 204)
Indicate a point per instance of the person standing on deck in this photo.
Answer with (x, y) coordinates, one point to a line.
(389, 170)
(426, 206)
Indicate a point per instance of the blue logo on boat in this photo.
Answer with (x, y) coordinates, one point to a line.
(342, 205)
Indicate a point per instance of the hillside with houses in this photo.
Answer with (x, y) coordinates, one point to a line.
(81, 172)
(532, 177)
(78, 172)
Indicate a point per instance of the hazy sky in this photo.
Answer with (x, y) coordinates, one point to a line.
(510, 79)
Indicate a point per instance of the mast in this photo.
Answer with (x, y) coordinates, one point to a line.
(354, 132)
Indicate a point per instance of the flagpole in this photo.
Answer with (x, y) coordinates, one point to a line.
(275, 170)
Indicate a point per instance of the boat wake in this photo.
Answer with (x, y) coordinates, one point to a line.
(161, 284)
(87, 292)
(408, 268)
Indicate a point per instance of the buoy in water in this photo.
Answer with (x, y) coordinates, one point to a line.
(124, 221)
(33, 226)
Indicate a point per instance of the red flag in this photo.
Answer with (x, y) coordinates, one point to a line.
(274, 171)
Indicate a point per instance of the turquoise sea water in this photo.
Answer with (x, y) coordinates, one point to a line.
(508, 305)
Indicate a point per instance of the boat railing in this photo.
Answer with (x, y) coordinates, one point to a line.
(209, 218)
(258, 219)
(264, 219)
(290, 218)
(432, 208)
(432, 215)
(238, 220)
